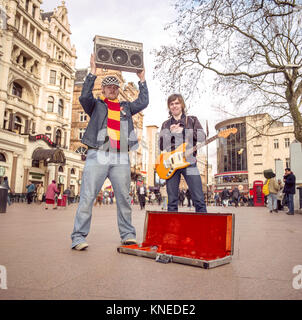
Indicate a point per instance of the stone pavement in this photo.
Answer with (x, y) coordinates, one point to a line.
(35, 250)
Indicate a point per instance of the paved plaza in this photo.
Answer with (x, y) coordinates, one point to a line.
(35, 251)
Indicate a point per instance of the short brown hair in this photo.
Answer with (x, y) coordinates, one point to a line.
(178, 96)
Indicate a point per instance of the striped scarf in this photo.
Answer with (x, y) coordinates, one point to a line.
(113, 123)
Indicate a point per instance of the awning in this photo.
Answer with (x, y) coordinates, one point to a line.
(49, 155)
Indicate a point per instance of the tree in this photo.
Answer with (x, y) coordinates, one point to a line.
(253, 47)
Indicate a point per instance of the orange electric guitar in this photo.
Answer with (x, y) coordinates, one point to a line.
(168, 162)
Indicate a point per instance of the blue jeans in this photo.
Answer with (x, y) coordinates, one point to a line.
(99, 166)
(272, 201)
(290, 198)
(192, 177)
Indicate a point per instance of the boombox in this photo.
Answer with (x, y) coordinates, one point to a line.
(116, 54)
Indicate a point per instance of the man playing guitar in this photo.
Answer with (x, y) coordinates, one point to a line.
(180, 128)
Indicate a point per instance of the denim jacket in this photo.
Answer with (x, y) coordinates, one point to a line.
(96, 132)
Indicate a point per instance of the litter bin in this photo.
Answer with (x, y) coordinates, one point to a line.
(3, 199)
(300, 196)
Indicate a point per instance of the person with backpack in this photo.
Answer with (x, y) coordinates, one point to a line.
(273, 188)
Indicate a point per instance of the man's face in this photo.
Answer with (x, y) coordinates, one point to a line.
(175, 107)
(111, 92)
(287, 172)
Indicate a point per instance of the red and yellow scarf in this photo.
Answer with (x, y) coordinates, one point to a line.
(114, 122)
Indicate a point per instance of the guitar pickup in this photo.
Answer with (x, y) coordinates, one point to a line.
(167, 164)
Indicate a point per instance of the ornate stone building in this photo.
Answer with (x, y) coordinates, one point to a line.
(37, 67)
(128, 92)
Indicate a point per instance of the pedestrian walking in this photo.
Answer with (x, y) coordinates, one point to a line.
(225, 196)
(181, 197)
(280, 195)
(30, 190)
(289, 189)
(51, 193)
(141, 191)
(99, 198)
(188, 195)
(165, 198)
(40, 192)
(5, 184)
(235, 196)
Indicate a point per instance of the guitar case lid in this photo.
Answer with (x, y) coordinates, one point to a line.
(203, 240)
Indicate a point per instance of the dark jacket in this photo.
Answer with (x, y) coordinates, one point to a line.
(192, 133)
(225, 194)
(290, 184)
(96, 132)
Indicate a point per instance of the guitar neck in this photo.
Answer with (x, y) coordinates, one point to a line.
(198, 146)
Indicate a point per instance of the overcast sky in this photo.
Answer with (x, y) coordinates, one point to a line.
(134, 20)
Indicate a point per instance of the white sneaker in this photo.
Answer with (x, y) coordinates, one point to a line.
(128, 242)
(81, 246)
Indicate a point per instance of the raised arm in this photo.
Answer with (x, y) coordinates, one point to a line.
(87, 99)
(143, 98)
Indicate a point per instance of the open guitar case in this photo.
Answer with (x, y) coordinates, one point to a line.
(203, 240)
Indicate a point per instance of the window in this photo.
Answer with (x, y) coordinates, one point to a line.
(72, 171)
(258, 164)
(81, 132)
(26, 5)
(60, 107)
(35, 163)
(276, 143)
(17, 90)
(33, 11)
(18, 124)
(83, 117)
(287, 163)
(286, 142)
(81, 150)
(52, 77)
(61, 169)
(58, 138)
(2, 157)
(258, 155)
(50, 104)
(24, 62)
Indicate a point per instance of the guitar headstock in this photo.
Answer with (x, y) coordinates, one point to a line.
(225, 133)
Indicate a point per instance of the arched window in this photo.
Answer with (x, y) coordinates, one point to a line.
(72, 171)
(61, 169)
(60, 107)
(50, 104)
(82, 150)
(17, 89)
(2, 157)
(58, 138)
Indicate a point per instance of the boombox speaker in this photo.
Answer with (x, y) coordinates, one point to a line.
(116, 54)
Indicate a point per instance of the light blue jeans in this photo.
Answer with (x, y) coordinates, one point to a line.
(100, 165)
(272, 201)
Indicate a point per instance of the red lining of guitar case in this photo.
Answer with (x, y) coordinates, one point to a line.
(190, 235)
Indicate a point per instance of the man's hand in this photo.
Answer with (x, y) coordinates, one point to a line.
(92, 64)
(141, 75)
(175, 128)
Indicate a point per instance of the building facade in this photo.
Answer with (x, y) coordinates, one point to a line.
(37, 67)
(242, 157)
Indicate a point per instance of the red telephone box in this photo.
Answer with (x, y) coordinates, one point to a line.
(258, 194)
